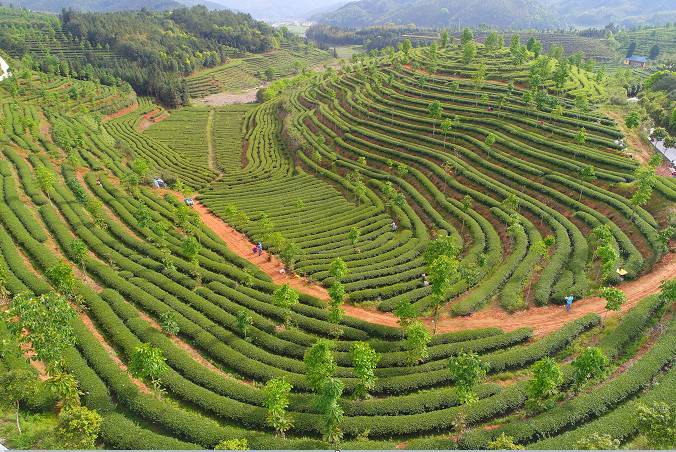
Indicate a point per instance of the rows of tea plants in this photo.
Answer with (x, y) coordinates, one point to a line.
(251, 71)
(176, 342)
(474, 156)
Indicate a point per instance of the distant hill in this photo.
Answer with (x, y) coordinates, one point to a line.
(276, 9)
(507, 14)
(107, 5)
(440, 13)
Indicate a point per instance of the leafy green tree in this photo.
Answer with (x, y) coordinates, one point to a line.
(645, 182)
(492, 42)
(141, 168)
(504, 442)
(406, 46)
(47, 319)
(581, 136)
(468, 52)
(543, 387)
(405, 312)
(15, 385)
(244, 322)
(79, 428)
(290, 253)
(364, 361)
(338, 268)
(327, 403)
(657, 422)
(78, 251)
(467, 371)
(591, 364)
(276, 394)
(354, 235)
(191, 248)
(143, 215)
(148, 364)
(587, 174)
(320, 365)
(285, 298)
(614, 297)
(65, 387)
(46, 179)
(63, 278)
(168, 322)
(444, 39)
(467, 36)
(441, 273)
(446, 126)
(417, 340)
(435, 111)
(598, 441)
(633, 120)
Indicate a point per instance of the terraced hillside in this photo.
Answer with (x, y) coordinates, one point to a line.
(179, 342)
(253, 70)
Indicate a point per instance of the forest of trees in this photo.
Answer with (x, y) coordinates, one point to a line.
(151, 50)
(372, 38)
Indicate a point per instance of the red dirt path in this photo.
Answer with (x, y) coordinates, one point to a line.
(543, 320)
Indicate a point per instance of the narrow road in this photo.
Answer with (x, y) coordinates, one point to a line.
(543, 320)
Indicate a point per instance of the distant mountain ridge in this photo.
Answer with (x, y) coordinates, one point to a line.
(506, 14)
(107, 5)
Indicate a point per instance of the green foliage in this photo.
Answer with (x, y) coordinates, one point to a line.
(277, 392)
(417, 340)
(320, 365)
(614, 297)
(504, 442)
(48, 319)
(327, 403)
(467, 371)
(543, 387)
(364, 360)
(591, 364)
(405, 312)
(79, 428)
(148, 363)
(598, 441)
(233, 444)
(657, 422)
(285, 298)
(168, 323)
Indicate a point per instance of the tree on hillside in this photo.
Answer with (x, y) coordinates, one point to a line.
(284, 297)
(446, 126)
(657, 423)
(591, 364)
(15, 385)
(614, 297)
(492, 42)
(327, 403)
(276, 393)
(148, 364)
(47, 319)
(490, 141)
(78, 428)
(244, 323)
(467, 370)
(77, 249)
(443, 39)
(654, 52)
(633, 120)
(46, 179)
(543, 387)
(406, 46)
(417, 340)
(468, 52)
(466, 206)
(364, 361)
(467, 36)
(320, 365)
(435, 111)
(405, 312)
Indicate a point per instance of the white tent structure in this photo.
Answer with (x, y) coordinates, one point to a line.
(4, 71)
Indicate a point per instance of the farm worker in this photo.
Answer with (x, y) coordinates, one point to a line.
(394, 226)
(260, 248)
(254, 249)
(569, 302)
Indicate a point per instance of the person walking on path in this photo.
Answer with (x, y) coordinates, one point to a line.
(260, 248)
(569, 302)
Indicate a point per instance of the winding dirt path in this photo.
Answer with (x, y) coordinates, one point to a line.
(543, 320)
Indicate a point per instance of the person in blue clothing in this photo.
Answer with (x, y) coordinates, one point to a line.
(260, 248)
(569, 302)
